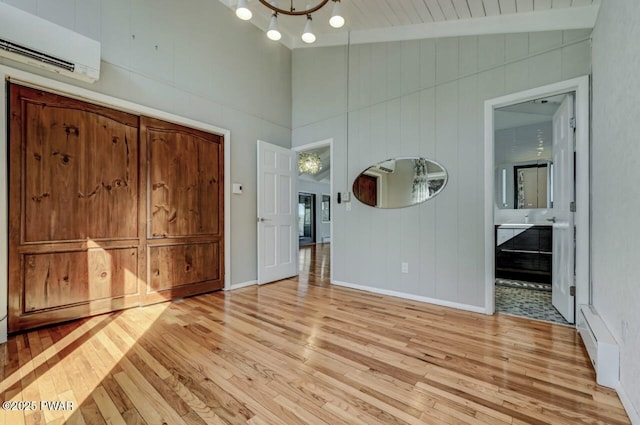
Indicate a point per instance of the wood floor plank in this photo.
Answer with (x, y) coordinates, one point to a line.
(106, 406)
(133, 417)
(301, 351)
(147, 401)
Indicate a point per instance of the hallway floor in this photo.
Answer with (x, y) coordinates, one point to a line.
(315, 264)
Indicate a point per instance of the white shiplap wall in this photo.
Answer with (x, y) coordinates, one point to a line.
(616, 173)
(420, 97)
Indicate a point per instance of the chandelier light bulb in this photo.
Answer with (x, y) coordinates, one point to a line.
(308, 36)
(242, 11)
(337, 20)
(273, 33)
(309, 163)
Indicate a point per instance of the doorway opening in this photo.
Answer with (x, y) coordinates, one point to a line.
(526, 164)
(315, 207)
(306, 218)
(536, 187)
(315, 264)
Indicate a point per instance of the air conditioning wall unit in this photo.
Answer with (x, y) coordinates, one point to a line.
(35, 41)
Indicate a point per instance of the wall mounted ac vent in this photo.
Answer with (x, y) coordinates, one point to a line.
(32, 40)
(32, 54)
(387, 166)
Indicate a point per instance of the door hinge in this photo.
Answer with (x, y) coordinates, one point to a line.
(572, 122)
(572, 206)
(572, 291)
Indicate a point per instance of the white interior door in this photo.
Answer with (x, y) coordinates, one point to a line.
(563, 260)
(277, 216)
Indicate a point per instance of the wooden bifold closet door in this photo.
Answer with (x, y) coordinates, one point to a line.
(185, 217)
(107, 210)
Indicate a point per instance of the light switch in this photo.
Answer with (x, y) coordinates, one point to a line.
(236, 188)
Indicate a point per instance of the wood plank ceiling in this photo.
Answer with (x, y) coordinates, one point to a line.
(362, 15)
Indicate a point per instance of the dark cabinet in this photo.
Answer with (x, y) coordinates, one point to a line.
(524, 254)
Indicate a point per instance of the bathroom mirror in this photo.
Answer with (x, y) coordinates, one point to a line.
(524, 185)
(399, 182)
(523, 152)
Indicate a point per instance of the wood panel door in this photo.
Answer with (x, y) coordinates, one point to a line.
(185, 216)
(107, 210)
(74, 210)
(365, 188)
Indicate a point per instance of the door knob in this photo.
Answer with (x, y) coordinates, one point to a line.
(261, 219)
(552, 219)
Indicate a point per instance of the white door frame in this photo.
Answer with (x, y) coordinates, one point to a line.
(580, 86)
(314, 145)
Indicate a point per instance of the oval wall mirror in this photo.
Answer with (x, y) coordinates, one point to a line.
(400, 182)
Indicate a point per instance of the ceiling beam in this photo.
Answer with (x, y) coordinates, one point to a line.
(545, 20)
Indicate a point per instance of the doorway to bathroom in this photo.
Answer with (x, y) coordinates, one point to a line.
(537, 181)
(530, 171)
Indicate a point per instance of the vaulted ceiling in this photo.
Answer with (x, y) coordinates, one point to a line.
(387, 20)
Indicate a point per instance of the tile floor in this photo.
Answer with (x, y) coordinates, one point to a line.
(530, 303)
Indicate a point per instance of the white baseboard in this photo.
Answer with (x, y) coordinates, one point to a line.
(241, 285)
(632, 412)
(412, 297)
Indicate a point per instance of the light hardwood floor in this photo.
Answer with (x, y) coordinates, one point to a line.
(301, 351)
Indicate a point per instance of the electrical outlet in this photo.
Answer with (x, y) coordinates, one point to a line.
(624, 331)
(405, 267)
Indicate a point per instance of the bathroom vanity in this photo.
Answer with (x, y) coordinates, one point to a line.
(524, 252)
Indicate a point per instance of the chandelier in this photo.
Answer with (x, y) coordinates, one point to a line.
(309, 163)
(336, 20)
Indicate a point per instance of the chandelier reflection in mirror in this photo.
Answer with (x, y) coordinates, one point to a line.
(309, 163)
(308, 36)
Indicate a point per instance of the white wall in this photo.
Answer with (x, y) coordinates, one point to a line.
(194, 59)
(615, 178)
(420, 98)
(318, 188)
